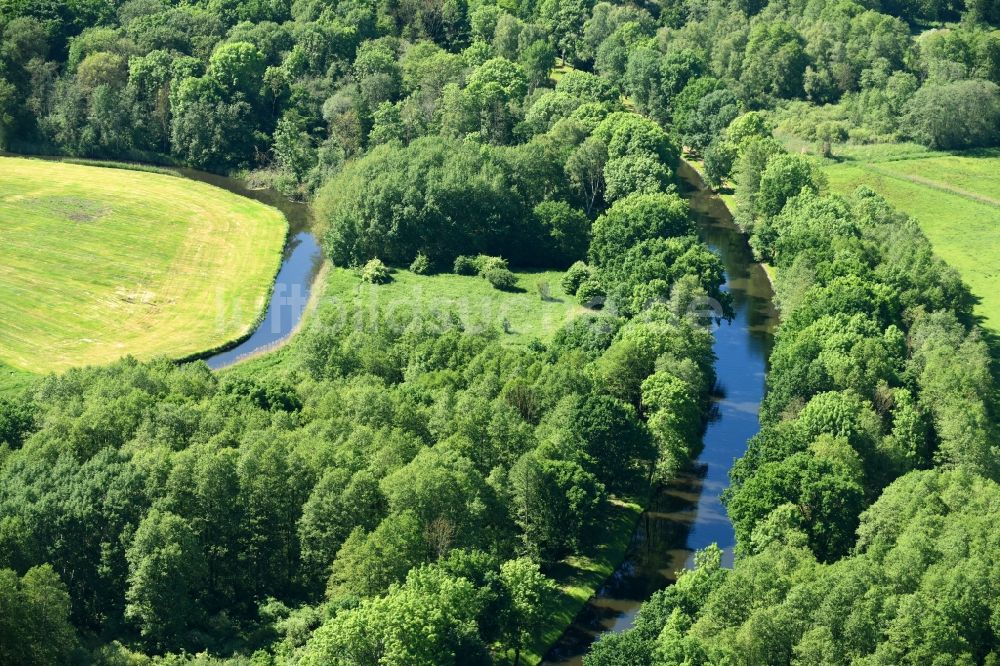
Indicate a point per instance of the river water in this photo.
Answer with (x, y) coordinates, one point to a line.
(292, 287)
(687, 514)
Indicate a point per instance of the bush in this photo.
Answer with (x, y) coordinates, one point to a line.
(574, 277)
(500, 278)
(485, 263)
(465, 265)
(421, 264)
(591, 294)
(375, 272)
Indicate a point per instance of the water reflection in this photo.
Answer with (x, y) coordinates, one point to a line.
(687, 514)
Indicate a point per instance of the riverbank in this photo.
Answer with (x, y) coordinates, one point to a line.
(580, 578)
(687, 514)
(316, 289)
(729, 202)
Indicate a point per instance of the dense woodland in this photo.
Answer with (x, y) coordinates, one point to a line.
(403, 489)
(866, 508)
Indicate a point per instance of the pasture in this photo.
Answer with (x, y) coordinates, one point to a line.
(955, 197)
(96, 263)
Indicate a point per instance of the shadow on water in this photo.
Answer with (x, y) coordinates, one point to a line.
(292, 287)
(687, 514)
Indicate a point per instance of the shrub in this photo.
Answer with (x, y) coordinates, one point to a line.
(500, 278)
(591, 294)
(375, 272)
(465, 265)
(485, 263)
(574, 277)
(421, 264)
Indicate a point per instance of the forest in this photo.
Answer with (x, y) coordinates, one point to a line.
(401, 488)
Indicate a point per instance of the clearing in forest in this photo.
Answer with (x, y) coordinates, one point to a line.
(535, 309)
(96, 263)
(955, 197)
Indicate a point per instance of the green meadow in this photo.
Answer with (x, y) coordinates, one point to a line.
(527, 314)
(96, 263)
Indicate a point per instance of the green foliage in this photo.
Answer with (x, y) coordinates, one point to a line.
(554, 504)
(591, 293)
(636, 218)
(500, 278)
(375, 272)
(568, 227)
(369, 563)
(430, 619)
(35, 625)
(439, 197)
(899, 598)
(635, 174)
(575, 275)
(166, 571)
(527, 591)
(173, 504)
(775, 61)
(465, 265)
(421, 265)
(962, 114)
(16, 421)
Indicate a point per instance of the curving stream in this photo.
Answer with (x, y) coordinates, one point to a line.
(292, 287)
(687, 514)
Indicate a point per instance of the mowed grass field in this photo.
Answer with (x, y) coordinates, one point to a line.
(955, 197)
(96, 263)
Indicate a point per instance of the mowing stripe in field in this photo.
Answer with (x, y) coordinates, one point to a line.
(96, 263)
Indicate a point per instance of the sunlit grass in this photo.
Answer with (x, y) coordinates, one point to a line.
(955, 197)
(97, 263)
(522, 314)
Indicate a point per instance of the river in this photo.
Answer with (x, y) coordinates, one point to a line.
(290, 293)
(687, 514)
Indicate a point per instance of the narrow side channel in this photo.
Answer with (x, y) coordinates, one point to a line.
(293, 285)
(687, 514)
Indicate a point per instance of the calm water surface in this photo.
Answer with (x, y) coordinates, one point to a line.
(687, 514)
(290, 295)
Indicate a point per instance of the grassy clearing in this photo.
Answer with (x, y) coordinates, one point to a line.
(560, 70)
(98, 263)
(13, 380)
(955, 197)
(472, 298)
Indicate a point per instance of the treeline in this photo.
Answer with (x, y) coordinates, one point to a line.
(400, 490)
(403, 488)
(864, 509)
(532, 203)
(293, 90)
